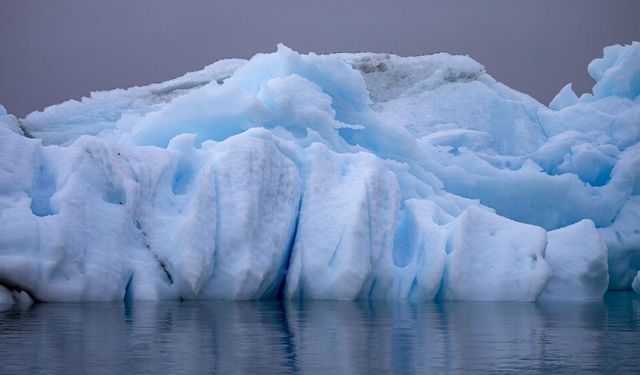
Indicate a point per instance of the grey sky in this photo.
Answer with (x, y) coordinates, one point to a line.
(55, 50)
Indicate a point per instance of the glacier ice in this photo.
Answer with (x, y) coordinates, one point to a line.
(344, 238)
(9, 121)
(565, 98)
(578, 259)
(340, 176)
(494, 258)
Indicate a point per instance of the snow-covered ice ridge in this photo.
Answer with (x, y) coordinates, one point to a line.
(338, 176)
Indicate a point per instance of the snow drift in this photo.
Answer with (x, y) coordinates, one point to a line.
(329, 177)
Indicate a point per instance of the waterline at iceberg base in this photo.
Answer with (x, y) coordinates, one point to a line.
(345, 176)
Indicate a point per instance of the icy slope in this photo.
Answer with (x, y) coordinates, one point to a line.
(332, 177)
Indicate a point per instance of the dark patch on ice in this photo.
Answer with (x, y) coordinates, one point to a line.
(332, 260)
(114, 194)
(24, 130)
(163, 265)
(367, 65)
(414, 288)
(453, 76)
(282, 280)
(368, 68)
(220, 81)
(534, 261)
(371, 288)
(128, 296)
(186, 85)
(14, 287)
(440, 294)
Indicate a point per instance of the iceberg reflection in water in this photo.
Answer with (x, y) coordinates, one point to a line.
(311, 336)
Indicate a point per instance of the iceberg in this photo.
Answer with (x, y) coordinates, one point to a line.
(342, 176)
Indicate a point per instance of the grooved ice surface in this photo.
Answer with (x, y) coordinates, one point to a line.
(329, 177)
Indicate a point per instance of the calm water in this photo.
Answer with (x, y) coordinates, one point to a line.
(312, 337)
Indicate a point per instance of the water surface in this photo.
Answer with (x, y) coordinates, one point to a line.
(321, 336)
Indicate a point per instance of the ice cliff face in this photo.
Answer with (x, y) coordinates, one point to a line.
(331, 177)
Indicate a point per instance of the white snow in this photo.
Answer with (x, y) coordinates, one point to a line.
(330, 177)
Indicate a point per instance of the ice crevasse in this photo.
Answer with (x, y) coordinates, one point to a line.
(340, 176)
